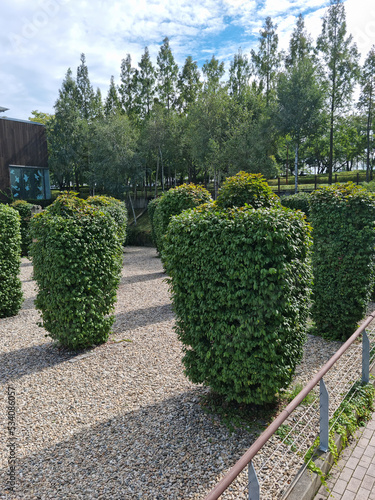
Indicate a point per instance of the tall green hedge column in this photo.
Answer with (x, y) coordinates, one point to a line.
(173, 202)
(240, 282)
(77, 267)
(10, 260)
(343, 220)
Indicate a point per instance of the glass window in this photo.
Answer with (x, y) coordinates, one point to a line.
(29, 183)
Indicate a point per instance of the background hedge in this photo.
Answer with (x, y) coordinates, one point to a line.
(10, 259)
(343, 257)
(298, 201)
(240, 283)
(77, 269)
(116, 208)
(151, 207)
(173, 202)
(24, 209)
(251, 189)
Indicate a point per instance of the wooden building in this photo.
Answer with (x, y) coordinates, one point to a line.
(24, 170)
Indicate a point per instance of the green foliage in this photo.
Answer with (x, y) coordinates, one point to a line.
(240, 283)
(173, 202)
(354, 411)
(24, 209)
(244, 188)
(140, 234)
(151, 207)
(369, 186)
(298, 201)
(116, 209)
(10, 259)
(343, 257)
(77, 268)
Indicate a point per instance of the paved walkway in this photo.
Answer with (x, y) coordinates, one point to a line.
(354, 475)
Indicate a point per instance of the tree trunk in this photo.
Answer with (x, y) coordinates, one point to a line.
(162, 170)
(296, 171)
(369, 120)
(156, 178)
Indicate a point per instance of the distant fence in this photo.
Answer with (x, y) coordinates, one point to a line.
(283, 186)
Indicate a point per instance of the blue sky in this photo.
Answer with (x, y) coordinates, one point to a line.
(41, 39)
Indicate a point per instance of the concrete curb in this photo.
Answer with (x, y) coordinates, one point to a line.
(307, 483)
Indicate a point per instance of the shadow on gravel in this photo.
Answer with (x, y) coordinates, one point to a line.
(16, 364)
(142, 277)
(26, 264)
(28, 303)
(143, 317)
(170, 450)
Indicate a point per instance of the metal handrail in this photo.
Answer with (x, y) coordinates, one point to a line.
(247, 457)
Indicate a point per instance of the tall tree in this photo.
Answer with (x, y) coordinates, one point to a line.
(340, 56)
(188, 84)
(64, 135)
(114, 162)
(300, 101)
(239, 74)
(40, 117)
(167, 72)
(127, 86)
(145, 79)
(112, 105)
(367, 102)
(97, 105)
(207, 131)
(213, 71)
(300, 45)
(85, 91)
(267, 60)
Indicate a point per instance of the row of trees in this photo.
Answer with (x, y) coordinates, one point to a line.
(169, 123)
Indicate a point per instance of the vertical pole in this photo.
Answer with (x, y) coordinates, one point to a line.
(324, 417)
(365, 358)
(254, 489)
(278, 185)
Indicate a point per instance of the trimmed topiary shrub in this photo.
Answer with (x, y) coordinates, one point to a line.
(173, 202)
(10, 259)
(298, 201)
(24, 209)
(116, 208)
(343, 257)
(76, 255)
(240, 283)
(151, 207)
(244, 188)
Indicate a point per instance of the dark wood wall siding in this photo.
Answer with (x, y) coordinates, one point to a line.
(21, 143)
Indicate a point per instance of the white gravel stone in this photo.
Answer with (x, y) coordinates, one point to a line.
(118, 421)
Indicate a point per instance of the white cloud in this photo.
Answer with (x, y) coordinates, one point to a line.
(41, 39)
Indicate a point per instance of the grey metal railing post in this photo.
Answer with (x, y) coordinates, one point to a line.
(324, 417)
(254, 489)
(365, 358)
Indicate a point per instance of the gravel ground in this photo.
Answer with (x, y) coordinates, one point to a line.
(119, 421)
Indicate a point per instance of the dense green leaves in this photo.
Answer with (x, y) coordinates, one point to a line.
(243, 188)
(172, 203)
(77, 268)
(116, 209)
(10, 259)
(24, 209)
(343, 257)
(240, 282)
(299, 201)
